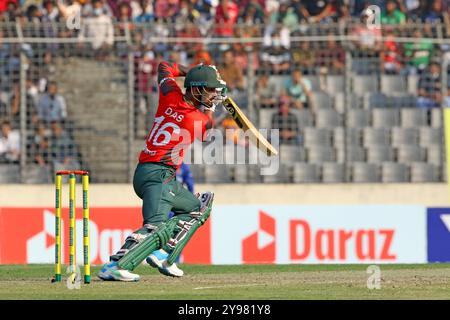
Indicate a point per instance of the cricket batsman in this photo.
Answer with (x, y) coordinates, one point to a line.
(161, 240)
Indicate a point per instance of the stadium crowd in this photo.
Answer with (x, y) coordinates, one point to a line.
(277, 23)
(289, 12)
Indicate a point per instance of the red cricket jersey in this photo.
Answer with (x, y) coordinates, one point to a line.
(177, 123)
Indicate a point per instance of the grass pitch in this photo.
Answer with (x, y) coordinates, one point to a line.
(427, 281)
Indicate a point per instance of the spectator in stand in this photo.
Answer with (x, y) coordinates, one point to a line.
(138, 44)
(241, 56)
(340, 11)
(12, 10)
(392, 15)
(390, 55)
(203, 9)
(298, 89)
(63, 150)
(99, 28)
(110, 7)
(285, 17)
(50, 11)
(266, 92)
(231, 73)
(32, 93)
(324, 11)
(14, 102)
(146, 72)
(14, 106)
(9, 143)
(124, 16)
(252, 13)
(369, 38)
(430, 86)
(436, 13)
(261, 3)
(115, 8)
(201, 56)
(286, 122)
(303, 56)
(145, 63)
(45, 71)
(277, 32)
(414, 9)
(41, 146)
(166, 10)
(4, 5)
(243, 52)
(33, 14)
(331, 59)
(51, 105)
(41, 132)
(124, 12)
(300, 10)
(418, 53)
(42, 157)
(275, 57)
(146, 12)
(87, 8)
(226, 17)
(5, 52)
(135, 9)
(187, 13)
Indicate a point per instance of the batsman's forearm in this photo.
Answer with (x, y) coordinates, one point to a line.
(168, 69)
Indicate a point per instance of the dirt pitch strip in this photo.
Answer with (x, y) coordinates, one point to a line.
(427, 281)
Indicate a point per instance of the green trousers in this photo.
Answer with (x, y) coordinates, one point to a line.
(161, 193)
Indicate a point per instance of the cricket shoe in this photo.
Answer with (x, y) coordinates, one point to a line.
(112, 272)
(158, 259)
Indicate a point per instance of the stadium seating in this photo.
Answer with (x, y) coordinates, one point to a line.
(361, 124)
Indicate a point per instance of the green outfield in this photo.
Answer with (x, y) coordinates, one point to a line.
(239, 282)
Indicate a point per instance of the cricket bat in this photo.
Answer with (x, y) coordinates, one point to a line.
(245, 124)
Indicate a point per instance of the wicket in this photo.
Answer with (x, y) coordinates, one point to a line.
(72, 223)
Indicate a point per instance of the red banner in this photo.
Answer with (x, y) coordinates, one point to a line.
(27, 235)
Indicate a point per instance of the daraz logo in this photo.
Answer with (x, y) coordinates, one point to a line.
(259, 247)
(311, 242)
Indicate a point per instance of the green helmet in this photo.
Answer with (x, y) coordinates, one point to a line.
(204, 76)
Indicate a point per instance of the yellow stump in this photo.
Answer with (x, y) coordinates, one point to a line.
(72, 222)
(86, 253)
(58, 193)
